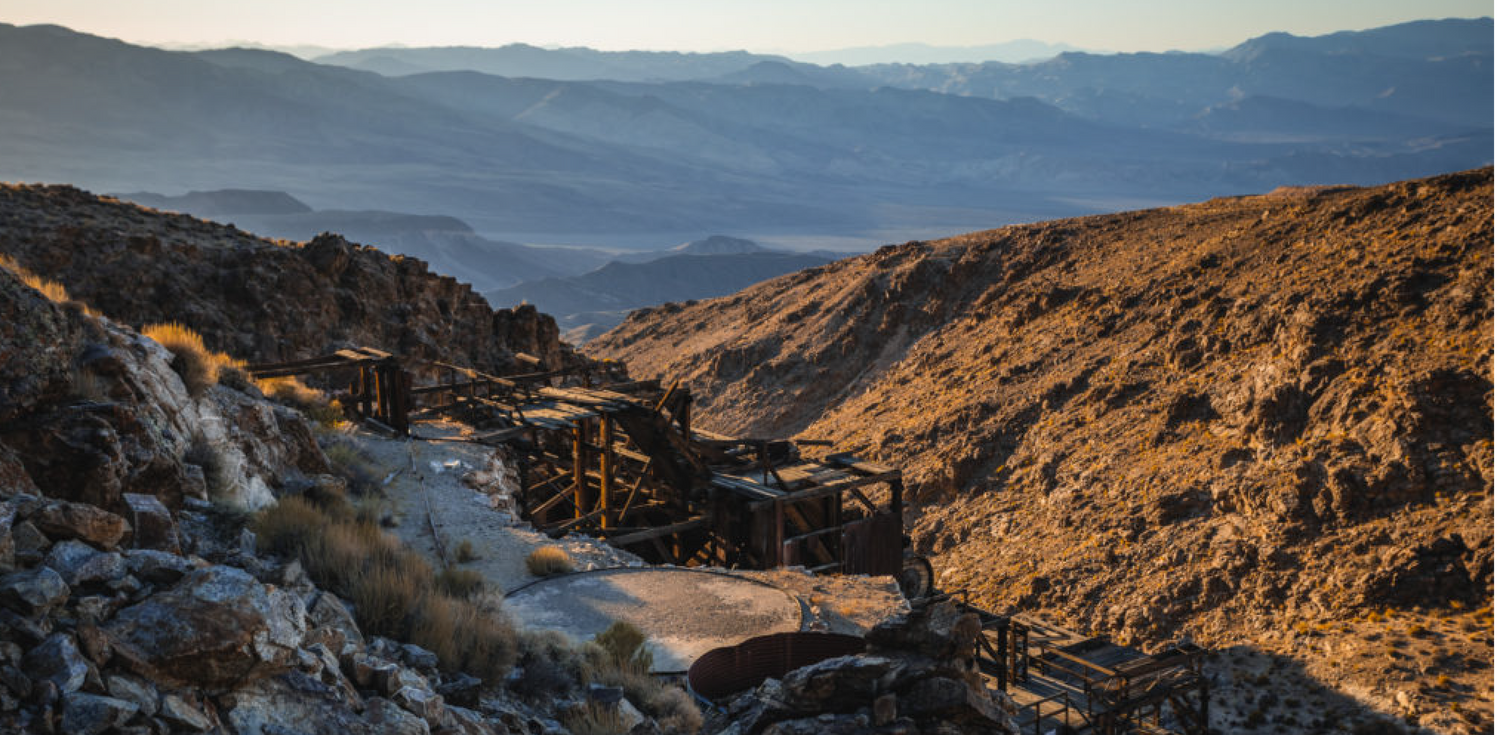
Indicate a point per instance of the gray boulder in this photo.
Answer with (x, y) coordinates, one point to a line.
(217, 629)
(34, 591)
(58, 661)
(91, 714)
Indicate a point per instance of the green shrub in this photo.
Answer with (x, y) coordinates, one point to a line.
(594, 718)
(460, 583)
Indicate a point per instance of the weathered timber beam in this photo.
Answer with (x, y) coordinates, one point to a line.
(829, 489)
(658, 532)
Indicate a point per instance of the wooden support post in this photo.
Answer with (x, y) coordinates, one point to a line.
(606, 467)
(580, 478)
(366, 390)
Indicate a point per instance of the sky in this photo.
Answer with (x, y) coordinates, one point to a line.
(770, 26)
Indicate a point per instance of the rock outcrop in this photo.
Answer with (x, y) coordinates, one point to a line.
(256, 299)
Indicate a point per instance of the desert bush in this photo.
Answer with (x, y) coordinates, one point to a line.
(466, 635)
(460, 583)
(312, 402)
(553, 664)
(546, 561)
(50, 289)
(393, 589)
(465, 552)
(197, 365)
(594, 718)
(675, 711)
(626, 646)
(624, 661)
(357, 468)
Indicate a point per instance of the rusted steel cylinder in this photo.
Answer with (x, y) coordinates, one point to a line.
(732, 669)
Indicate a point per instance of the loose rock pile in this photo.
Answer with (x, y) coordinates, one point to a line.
(915, 677)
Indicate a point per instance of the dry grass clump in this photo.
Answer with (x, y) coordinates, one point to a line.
(595, 718)
(620, 658)
(547, 561)
(312, 402)
(198, 366)
(394, 590)
(348, 461)
(465, 552)
(460, 583)
(50, 289)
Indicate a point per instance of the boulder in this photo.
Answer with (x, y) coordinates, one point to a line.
(29, 544)
(152, 523)
(79, 563)
(81, 521)
(183, 714)
(388, 717)
(90, 714)
(333, 624)
(158, 567)
(58, 661)
(216, 629)
(136, 691)
(34, 591)
(420, 701)
(294, 702)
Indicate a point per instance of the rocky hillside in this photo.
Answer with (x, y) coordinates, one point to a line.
(254, 298)
(1262, 419)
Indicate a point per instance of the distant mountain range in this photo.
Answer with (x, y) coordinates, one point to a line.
(588, 305)
(448, 244)
(752, 144)
(746, 143)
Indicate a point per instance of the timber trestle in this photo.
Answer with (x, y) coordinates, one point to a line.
(622, 461)
(1058, 680)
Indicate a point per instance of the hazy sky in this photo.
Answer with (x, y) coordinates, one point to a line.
(784, 26)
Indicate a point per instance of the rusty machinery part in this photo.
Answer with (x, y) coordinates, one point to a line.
(726, 671)
(916, 577)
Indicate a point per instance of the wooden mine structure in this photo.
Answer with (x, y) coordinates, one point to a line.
(1059, 679)
(622, 461)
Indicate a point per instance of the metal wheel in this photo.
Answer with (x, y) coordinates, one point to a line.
(916, 577)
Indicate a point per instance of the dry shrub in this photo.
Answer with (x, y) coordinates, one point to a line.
(286, 527)
(553, 665)
(675, 711)
(595, 718)
(382, 596)
(50, 289)
(625, 645)
(460, 583)
(393, 589)
(312, 402)
(351, 463)
(547, 561)
(465, 636)
(622, 659)
(465, 552)
(197, 365)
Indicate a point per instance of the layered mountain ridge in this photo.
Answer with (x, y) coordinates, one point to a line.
(1239, 421)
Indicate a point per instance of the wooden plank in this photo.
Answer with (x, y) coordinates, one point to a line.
(824, 491)
(659, 531)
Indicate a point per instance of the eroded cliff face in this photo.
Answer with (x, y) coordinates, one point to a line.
(256, 299)
(1256, 414)
(90, 412)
